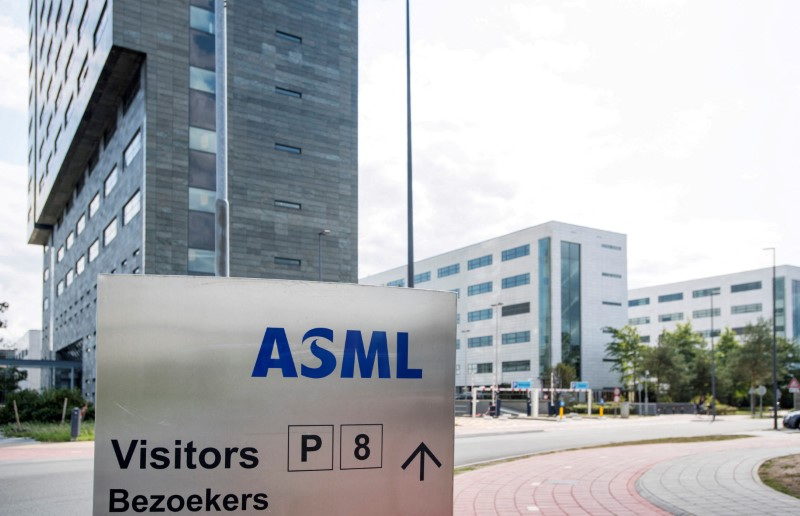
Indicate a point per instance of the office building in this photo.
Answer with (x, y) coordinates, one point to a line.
(735, 300)
(123, 174)
(529, 300)
(29, 347)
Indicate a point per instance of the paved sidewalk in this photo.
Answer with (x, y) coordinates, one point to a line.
(604, 480)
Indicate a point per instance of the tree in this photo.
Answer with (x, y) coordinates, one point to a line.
(668, 366)
(691, 371)
(753, 361)
(563, 375)
(9, 376)
(625, 351)
(730, 388)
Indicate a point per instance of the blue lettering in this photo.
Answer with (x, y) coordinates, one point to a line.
(402, 358)
(326, 358)
(378, 350)
(264, 362)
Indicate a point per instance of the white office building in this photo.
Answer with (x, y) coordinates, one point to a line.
(29, 347)
(735, 300)
(529, 300)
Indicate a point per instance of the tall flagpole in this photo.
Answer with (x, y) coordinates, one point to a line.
(221, 208)
(408, 157)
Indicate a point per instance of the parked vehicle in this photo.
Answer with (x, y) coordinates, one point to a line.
(792, 420)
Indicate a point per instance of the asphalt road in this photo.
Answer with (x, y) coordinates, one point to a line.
(63, 485)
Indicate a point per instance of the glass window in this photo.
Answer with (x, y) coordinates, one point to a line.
(288, 204)
(639, 302)
(746, 309)
(612, 303)
(293, 262)
(83, 73)
(202, 200)
(705, 292)
(288, 148)
(81, 225)
(517, 252)
(110, 233)
(94, 250)
(201, 19)
(60, 254)
(449, 270)
(397, 283)
(101, 24)
(60, 288)
(422, 277)
(516, 365)
(479, 315)
(70, 277)
(670, 297)
(202, 170)
(132, 207)
(677, 316)
(110, 182)
(202, 80)
(80, 265)
(517, 337)
(288, 37)
(202, 109)
(46, 274)
(133, 148)
(483, 261)
(288, 93)
(202, 140)
(94, 205)
(700, 314)
(70, 240)
(201, 261)
(516, 281)
(612, 275)
(744, 287)
(480, 288)
(520, 308)
(484, 368)
(201, 49)
(479, 342)
(201, 230)
(612, 247)
(637, 321)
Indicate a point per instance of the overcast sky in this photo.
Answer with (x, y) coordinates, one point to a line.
(674, 122)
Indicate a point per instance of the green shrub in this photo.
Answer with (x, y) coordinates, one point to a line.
(44, 407)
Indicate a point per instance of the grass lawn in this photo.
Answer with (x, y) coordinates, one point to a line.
(782, 474)
(49, 432)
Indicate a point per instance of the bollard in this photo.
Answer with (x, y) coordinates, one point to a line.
(528, 407)
(497, 408)
(601, 411)
(75, 424)
(561, 412)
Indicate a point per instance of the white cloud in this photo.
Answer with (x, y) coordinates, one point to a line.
(13, 65)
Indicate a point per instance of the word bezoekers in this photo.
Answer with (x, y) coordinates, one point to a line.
(275, 342)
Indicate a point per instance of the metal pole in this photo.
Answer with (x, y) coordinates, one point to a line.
(324, 232)
(496, 307)
(222, 209)
(408, 145)
(774, 346)
(713, 371)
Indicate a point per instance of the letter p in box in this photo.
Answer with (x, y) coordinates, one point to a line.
(254, 396)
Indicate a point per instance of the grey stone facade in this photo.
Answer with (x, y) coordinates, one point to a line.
(292, 84)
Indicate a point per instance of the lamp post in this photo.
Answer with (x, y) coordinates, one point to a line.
(774, 347)
(496, 307)
(409, 174)
(324, 232)
(713, 371)
(466, 364)
(646, 397)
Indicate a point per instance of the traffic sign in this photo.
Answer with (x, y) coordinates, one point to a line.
(520, 385)
(794, 385)
(579, 385)
(761, 390)
(238, 395)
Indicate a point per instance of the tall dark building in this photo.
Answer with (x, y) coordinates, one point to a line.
(123, 143)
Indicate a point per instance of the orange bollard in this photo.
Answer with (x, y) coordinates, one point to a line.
(560, 412)
(601, 411)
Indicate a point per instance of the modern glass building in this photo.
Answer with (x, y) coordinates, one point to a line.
(735, 300)
(122, 158)
(529, 300)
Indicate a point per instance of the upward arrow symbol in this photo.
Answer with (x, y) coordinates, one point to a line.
(422, 450)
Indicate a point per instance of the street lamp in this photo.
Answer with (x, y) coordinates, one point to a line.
(324, 232)
(713, 371)
(496, 307)
(466, 364)
(774, 347)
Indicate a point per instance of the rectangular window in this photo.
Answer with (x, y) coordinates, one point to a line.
(517, 337)
(448, 270)
(746, 309)
(520, 308)
(288, 37)
(479, 315)
(110, 182)
(94, 250)
(480, 288)
(70, 240)
(60, 288)
(46, 274)
(705, 292)
(677, 316)
(288, 204)
(202, 110)
(201, 261)
(201, 49)
(517, 252)
(516, 366)
(639, 302)
(612, 275)
(80, 265)
(288, 93)
(670, 297)
(202, 170)
(83, 73)
(201, 19)
(201, 230)
(70, 277)
(479, 342)
(644, 339)
(292, 262)
(612, 247)
(484, 368)
(202, 140)
(60, 254)
(397, 283)
(110, 233)
(706, 312)
(516, 281)
(135, 145)
(288, 148)
(744, 287)
(483, 261)
(202, 80)
(132, 207)
(638, 321)
(422, 277)
(101, 24)
(202, 200)
(94, 205)
(68, 112)
(612, 303)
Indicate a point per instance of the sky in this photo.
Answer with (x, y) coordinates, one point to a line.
(674, 122)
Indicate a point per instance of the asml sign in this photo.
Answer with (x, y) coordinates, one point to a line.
(256, 396)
